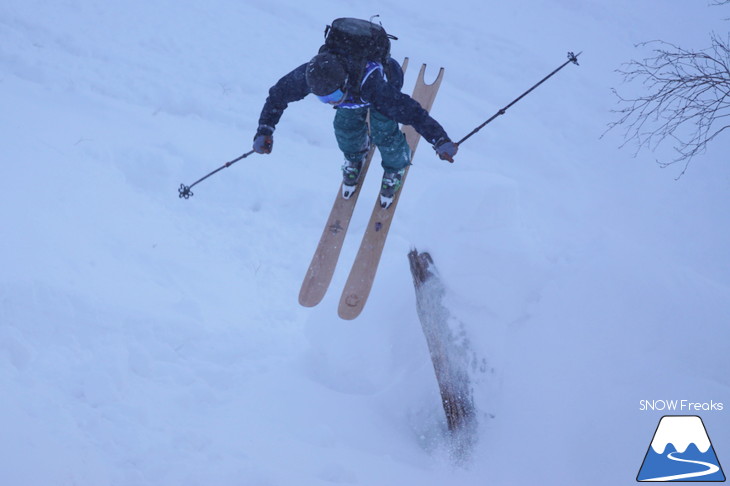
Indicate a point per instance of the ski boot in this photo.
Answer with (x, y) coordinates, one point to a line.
(351, 172)
(392, 181)
(350, 177)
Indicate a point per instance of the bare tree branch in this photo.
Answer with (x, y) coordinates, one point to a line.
(688, 99)
(715, 3)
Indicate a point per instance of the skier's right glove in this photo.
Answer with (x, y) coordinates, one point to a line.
(263, 142)
(446, 149)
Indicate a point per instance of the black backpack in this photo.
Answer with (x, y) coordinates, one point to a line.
(355, 42)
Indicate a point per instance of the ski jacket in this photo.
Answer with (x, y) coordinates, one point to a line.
(375, 90)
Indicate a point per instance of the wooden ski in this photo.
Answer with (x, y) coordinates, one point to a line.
(320, 271)
(362, 275)
(322, 268)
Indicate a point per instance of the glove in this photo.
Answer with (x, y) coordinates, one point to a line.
(446, 149)
(263, 142)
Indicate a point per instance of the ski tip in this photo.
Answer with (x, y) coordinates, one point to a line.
(310, 295)
(350, 306)
(306, 303)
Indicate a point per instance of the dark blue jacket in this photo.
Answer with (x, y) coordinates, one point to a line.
(384, 96)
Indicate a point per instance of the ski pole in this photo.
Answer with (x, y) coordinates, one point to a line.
(186, 193)
(571, 58)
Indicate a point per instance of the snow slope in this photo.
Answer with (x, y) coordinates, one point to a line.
(146, 340)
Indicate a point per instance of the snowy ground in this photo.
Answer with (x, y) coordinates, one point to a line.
(146, 340)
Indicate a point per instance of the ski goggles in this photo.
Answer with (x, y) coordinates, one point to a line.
(333, 98)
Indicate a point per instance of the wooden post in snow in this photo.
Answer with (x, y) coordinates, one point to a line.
(449, 358)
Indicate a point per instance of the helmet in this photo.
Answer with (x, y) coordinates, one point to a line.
(325, 74)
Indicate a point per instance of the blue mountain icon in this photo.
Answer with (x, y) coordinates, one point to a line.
(681, 451)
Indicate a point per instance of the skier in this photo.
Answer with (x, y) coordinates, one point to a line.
(354, 92)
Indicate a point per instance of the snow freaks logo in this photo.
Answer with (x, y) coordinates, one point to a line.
(681, 451)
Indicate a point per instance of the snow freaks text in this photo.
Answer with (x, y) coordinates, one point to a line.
(680, 406)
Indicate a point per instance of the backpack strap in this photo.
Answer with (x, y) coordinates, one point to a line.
(370, 68)
(353, 97)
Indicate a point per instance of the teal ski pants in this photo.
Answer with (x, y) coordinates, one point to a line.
(351, 131)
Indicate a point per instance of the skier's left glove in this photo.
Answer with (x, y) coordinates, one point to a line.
(446, 149)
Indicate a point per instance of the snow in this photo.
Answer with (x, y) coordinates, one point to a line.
(147, 340)
(681, 432)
